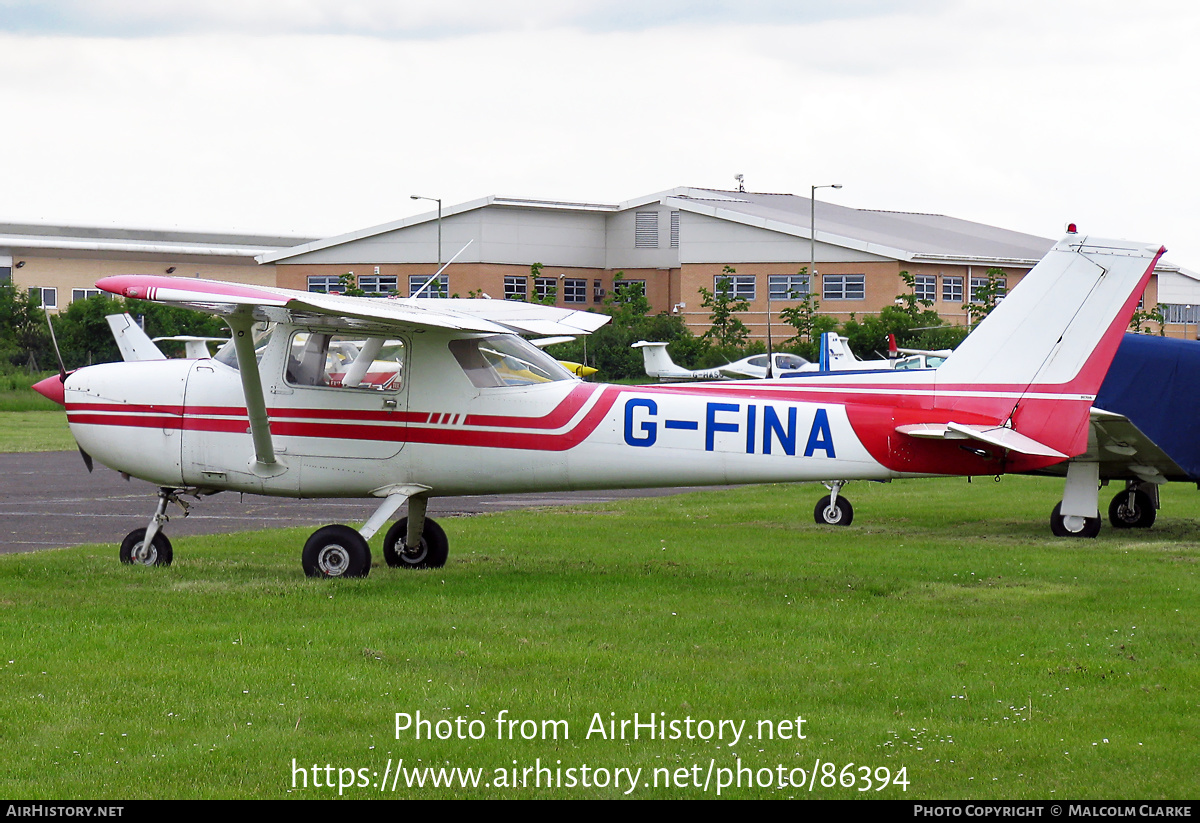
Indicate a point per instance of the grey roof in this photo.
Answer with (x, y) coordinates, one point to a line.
(907, 236)
(903, 235)
(96, 238)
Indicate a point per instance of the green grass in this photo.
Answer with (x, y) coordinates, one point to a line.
(35, 431)
(28, 421)
(17, 394)
(944, 633)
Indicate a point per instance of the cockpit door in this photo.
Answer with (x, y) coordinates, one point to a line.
(338, 394)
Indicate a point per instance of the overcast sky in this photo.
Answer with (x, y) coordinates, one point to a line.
(316, 117)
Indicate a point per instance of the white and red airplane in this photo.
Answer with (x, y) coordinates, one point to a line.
(287, 409)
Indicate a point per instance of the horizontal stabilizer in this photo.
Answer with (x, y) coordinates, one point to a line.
(1000, 436)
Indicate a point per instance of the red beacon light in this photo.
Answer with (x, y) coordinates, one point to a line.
(1072, 229)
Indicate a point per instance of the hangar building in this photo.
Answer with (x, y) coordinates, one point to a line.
(677, 242)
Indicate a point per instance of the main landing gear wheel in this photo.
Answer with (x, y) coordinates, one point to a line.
(1138, 515)
(336, 551)
(1071, 526)
(134, 549)
(839, 514)
(431, 553)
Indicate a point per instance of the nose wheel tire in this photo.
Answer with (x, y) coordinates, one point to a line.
(431, 553)
(1072, 526)
(839, 514)
(134, 550)
(1138, 516)
(336, 551)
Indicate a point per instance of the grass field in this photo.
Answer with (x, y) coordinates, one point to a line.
(943, 642)
(28, 421)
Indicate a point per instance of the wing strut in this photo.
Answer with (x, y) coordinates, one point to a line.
(242, 324)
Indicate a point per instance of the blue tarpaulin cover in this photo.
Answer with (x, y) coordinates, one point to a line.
(1155, 382)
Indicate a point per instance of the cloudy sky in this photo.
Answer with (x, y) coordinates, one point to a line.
(316, 117)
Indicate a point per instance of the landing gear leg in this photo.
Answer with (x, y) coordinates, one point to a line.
(1136, 507)
(1078, 515)
(833, 510)
(416, 541)
(149, 546)
(340, 551)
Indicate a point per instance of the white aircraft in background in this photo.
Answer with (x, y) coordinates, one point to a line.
(835, 356)
(472, 408)
(660, 366)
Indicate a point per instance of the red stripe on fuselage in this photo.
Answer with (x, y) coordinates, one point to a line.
(409, 426)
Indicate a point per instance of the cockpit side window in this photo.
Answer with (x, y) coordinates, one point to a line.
(345, 361)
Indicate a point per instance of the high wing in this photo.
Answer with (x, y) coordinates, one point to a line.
(484, 316)
(242, 305)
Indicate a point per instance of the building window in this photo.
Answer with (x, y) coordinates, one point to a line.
(378, 285)
(516, 287)
(925, 287)
(978, 284)
(545, 288)
(844, 287)
(574, 291)
(47, 298)
(674, 229)
(1179, 313)
(5, 275)
(741, 286)
(324, 283)
(788, 286)
(438, 288)
(645, 230)
(952, 289)
(83, 294)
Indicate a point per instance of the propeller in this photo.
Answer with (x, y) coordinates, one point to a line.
(62, 378)
(62, 369)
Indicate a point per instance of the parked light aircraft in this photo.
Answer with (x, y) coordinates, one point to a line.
(659, 365)
(835, 356)
(474, 409)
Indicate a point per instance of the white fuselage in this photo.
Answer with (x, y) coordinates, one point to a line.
(184, 424)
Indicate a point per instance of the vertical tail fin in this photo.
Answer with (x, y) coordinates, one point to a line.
(1044, 351)
(1062, 324)
(134, 343)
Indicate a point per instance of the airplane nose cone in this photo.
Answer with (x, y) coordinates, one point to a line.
(52, 389)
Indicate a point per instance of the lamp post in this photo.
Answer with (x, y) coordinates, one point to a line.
(437, 200)
(812, 229)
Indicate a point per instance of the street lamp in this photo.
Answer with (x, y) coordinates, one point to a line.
(439, 221)
(812, 230)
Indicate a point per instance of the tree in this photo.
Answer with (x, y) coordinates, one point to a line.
(808, 323)
(348, 285)
(83, 334)
(609, 348)
(1143, 317)
(986, 297)
(911, 319)
(727, 330)
(551, 295)
(23, 331)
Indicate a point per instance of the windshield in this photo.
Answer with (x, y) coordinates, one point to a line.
(505, 360)
(262, 336)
